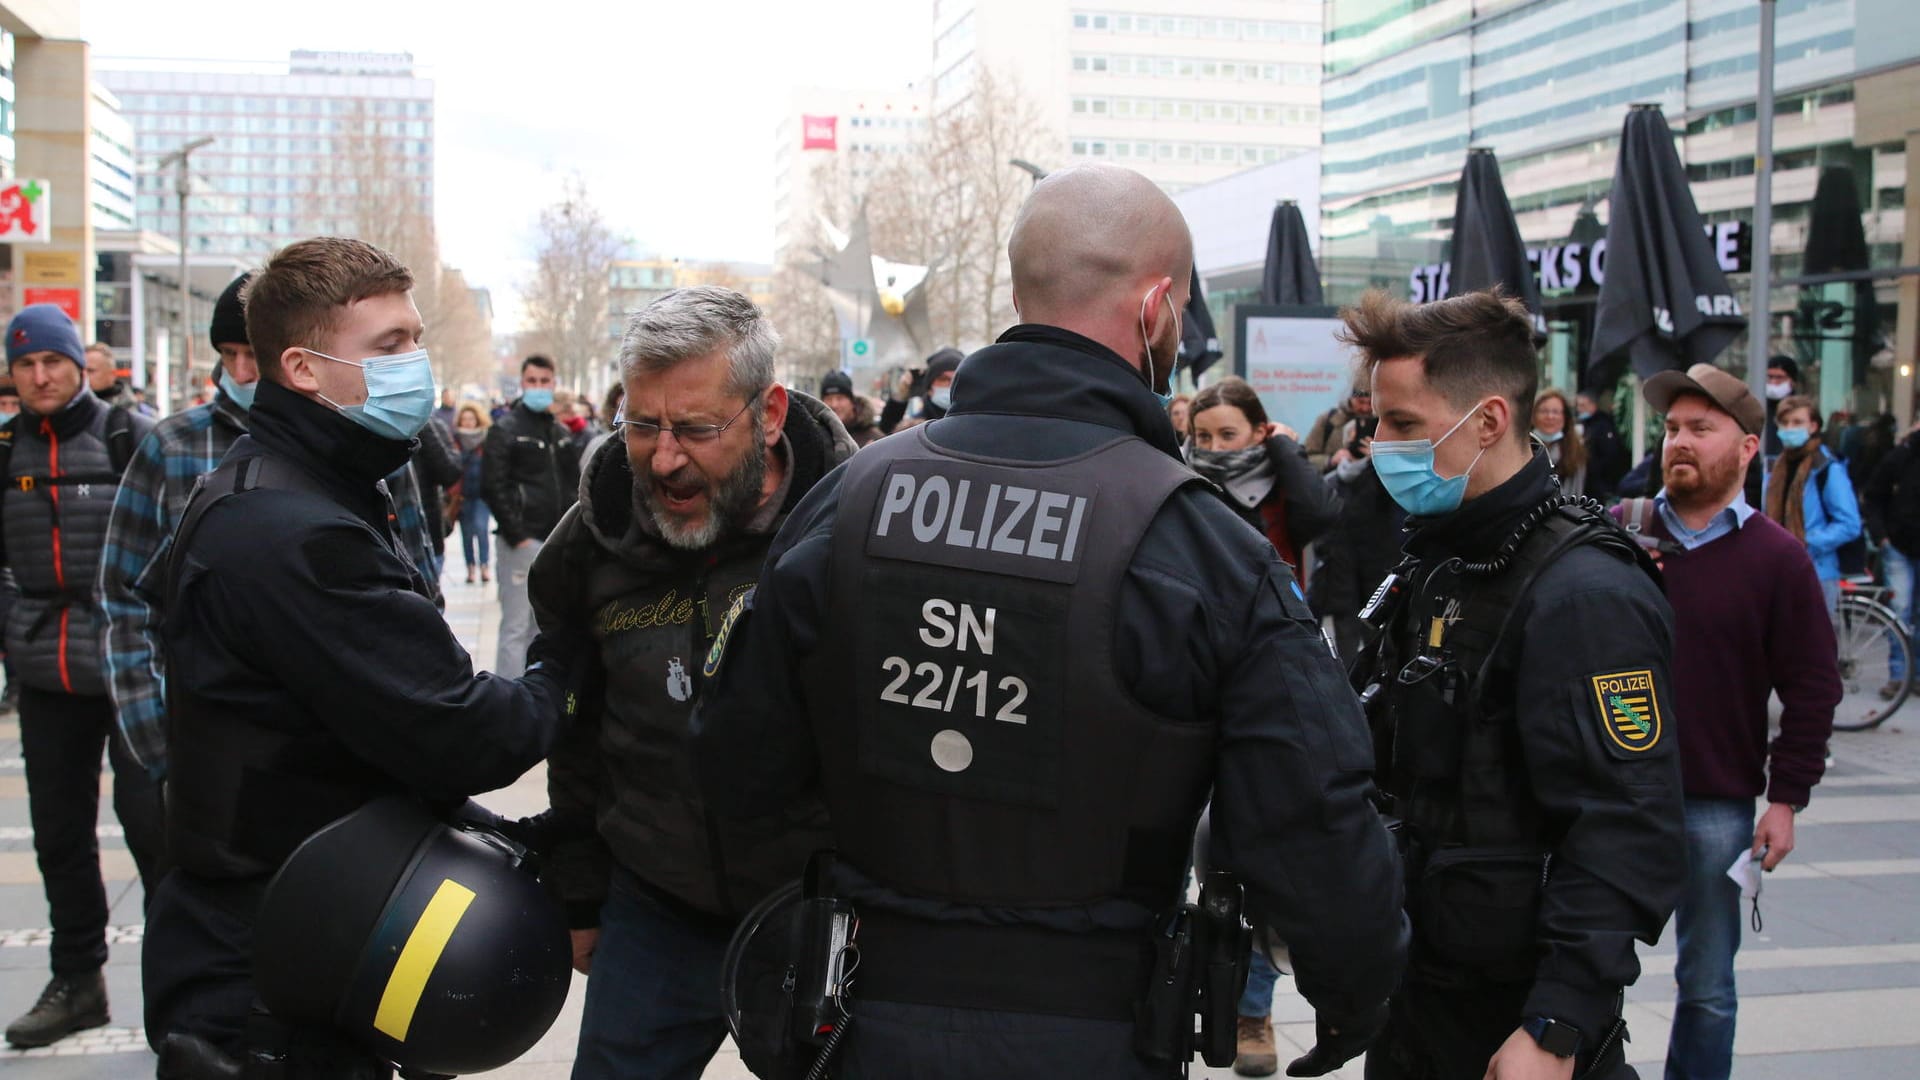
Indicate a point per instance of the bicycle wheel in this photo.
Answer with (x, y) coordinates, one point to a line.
(1873, 647)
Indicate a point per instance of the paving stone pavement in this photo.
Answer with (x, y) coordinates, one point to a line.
(1831, 988)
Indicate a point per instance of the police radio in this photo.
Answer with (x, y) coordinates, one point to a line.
(826, 956)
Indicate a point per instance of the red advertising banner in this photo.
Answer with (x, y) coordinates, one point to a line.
(68, 300)
(819, 133)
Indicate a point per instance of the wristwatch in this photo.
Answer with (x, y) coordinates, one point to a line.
(1556, 1037)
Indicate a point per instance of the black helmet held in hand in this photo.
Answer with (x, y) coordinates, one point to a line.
(431, 946)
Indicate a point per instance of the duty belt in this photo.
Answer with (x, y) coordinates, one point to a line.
(1007, 968)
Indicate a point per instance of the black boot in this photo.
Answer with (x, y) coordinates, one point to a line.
(70, 1003)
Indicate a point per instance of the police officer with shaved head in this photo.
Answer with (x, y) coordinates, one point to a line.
(1015, 649)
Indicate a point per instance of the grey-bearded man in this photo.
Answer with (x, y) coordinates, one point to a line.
(675, 515)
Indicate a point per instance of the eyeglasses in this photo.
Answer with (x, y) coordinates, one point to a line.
(687, 434)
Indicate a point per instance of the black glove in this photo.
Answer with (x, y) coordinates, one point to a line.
(1332, 1049)
(562, 654)
(572, 660)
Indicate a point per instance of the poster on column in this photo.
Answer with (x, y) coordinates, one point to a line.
(1293, 361)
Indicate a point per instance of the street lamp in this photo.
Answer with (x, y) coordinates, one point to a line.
(1029, 168)
(182, 185)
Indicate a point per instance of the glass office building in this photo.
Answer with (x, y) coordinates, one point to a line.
(298, 154)
(1410, 85)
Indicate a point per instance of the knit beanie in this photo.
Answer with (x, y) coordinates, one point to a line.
(44, 328)
(836, 382)
(942, 362)
(230, 316)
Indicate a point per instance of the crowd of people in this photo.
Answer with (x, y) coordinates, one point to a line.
(996, 641)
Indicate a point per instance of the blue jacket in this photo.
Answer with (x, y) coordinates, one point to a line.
(1832, 513)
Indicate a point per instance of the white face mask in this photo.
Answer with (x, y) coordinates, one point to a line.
(1779, 391)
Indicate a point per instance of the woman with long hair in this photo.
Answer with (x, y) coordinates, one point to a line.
(1178, 410)
(1553, 428)
(1261, 471)
(470, 426)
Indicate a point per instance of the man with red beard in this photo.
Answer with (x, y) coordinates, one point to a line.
(676, 512)
(1749, 621)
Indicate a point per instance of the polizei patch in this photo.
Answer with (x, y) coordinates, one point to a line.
(1629, 710)
(972, 516)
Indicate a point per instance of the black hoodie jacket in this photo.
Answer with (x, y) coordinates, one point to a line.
(1210, 629)
(621, 783)
(297, 623)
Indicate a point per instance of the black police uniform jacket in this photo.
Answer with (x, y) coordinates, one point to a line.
(1205, 632)
(622, 780)
(1581, 778)
(307, 672)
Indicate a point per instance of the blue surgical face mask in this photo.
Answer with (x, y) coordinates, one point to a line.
(1405, 469)
(241, 393)
(941, 397)
(539, 399)
(1794, 438)
(400, 394)
(1549, 439)
(1166, 399)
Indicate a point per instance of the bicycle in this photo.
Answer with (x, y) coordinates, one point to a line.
(1873, 644)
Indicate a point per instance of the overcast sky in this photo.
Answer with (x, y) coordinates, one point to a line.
(667, 109)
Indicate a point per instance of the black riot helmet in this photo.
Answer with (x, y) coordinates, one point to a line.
(430, 946)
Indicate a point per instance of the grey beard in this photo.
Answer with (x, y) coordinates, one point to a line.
(732, 502)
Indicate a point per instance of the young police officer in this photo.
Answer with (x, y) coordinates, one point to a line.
(307, 671)
(1522, 714)
(1015, 648)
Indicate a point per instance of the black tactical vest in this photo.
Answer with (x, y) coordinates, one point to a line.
(1441, 704)
(977, 744)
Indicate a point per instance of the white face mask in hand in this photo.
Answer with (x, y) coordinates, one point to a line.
(1745, 872)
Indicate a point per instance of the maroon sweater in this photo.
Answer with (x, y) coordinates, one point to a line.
(1749, 619)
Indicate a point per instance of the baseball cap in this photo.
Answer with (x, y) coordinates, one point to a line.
(1721, 387)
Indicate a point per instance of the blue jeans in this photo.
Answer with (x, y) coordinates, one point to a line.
(653, 998)
(1257, 998)
(474, 540)
(1899, 572)
(1707, 931)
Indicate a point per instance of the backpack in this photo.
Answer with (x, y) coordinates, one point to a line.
(120, 444)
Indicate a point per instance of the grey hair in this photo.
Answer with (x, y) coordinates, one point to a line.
(699, 321)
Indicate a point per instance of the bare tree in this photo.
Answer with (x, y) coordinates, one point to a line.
(809, 333)
(974, 143)
(459, 335)
(366, 192)
(566, 300)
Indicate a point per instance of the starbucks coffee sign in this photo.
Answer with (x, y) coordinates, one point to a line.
(1580, 268)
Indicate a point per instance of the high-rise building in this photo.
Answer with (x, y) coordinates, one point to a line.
(1547, 84)
(110, 143)
(1184, 91)
(338, 143)
(838, 138)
